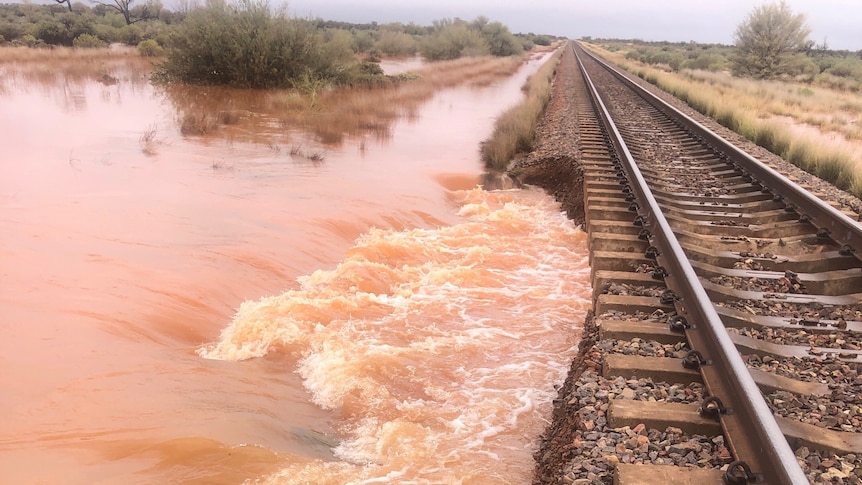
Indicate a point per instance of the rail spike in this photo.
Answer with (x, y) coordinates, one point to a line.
(739, 473)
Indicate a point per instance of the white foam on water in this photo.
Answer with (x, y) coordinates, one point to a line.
(438, 348)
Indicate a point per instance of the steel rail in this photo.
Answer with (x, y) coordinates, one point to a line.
(837, 225)
(751, 432)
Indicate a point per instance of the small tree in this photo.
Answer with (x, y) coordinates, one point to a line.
(149, 10)
(67, 2)
(500, 41)
(767, 40)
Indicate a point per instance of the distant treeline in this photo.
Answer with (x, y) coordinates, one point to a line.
(247, 43)
(817, 64)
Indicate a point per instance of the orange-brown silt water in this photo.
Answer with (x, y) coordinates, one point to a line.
(243, 306)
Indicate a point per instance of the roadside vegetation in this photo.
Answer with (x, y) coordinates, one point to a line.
(248, 43)
(515, 129)
(804, 105)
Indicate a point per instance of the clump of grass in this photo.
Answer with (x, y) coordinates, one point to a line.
(198, 124)
(312, 155)
(514, 130)
(230, 117)
(148, 141)
(56, 53)
(218, 165)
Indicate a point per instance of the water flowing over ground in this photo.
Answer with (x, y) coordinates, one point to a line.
(196, 290)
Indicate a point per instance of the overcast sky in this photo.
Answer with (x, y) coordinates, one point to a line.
(836, 21)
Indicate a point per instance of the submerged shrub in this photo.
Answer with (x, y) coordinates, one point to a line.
(150, 48)
(249, 45)
(88, 41)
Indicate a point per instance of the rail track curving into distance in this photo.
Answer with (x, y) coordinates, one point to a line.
(710, 267)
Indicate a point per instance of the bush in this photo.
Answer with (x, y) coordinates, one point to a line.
(707, 61)
(848, 68)
(10, 31)
(88, 41)
(130, 34)
(150, 48)
(53, 32)
(542, 40)
(248, 45)
(396, 44)
(107, 33)
(26, 40)
(454, 41)
(500, 41)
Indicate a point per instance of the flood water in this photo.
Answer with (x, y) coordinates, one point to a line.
(253, 302)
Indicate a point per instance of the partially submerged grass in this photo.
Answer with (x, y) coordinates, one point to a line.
(199, 124)
(312, 155)
(514, 130)
(331, 114)
(61, 66)
(757, 110)
(148, 141)
(56, 53)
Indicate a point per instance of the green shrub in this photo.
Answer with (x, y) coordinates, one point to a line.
(848, 68)
(396, 44)
(26, 40)
(248, 45)
(106, 32)
(10, 30)
(363, 41)
(53, 32)
(150, 48)
(130, 34)
(500, 41)
(542, 40)
(454, 40)
(88, 41)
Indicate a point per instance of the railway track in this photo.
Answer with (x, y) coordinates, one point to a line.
(731, 285)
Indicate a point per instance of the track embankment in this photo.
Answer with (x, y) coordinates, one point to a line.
(590, 439)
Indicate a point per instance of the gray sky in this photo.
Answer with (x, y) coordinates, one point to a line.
(836, 21)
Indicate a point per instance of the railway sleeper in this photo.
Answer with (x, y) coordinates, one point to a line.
(720, 293)
(749, 345)
(748, 218)
(738, 319)
(617, 243)
(807, 262)
(751, 197)
(836, 282)
(628, 474)
(669, 369)
(774, 230)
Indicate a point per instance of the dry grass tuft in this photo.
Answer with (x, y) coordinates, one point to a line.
(60, 53)
(148, 141)
(515, 129)
(193, 124)
(299, 151)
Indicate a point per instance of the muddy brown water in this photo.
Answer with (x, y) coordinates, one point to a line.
(252, 304)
